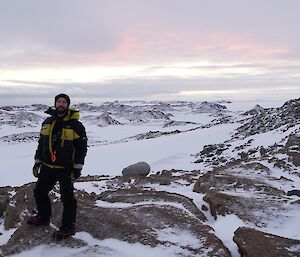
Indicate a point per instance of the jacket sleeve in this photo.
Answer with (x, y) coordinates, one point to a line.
(80, 145)
(38, 152)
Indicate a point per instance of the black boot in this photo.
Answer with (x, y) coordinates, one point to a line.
(37, 221)
(63, 232)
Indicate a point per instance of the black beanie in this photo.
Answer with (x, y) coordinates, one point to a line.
(64, 96)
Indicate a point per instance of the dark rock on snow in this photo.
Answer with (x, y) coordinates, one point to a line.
(137, 169)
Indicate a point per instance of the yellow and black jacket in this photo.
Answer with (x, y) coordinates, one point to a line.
(62, 142)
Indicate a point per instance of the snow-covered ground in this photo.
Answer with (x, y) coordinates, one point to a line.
(113, 147)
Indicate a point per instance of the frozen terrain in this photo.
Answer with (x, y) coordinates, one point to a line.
(219, 165)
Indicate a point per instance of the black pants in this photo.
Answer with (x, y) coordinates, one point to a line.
(46, 181)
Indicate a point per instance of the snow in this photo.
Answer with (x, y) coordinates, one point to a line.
(5, 234)
(48, 251)
(294, 248)
(224, 228)
(17, 162)
(178, 237)
(167, 152)
(90, 187)
(286, 226)
(111, 150)
(271, 137)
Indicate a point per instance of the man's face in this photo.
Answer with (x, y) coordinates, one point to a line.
(61, 105)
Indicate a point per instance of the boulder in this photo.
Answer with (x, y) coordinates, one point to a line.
(293, 192)
(137, 169)
(253, 243)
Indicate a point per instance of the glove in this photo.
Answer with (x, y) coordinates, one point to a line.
(36, 169)
(75, 173)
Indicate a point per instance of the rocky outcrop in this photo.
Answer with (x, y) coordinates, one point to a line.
(253, 243)
(212, 154)
(293, 148)
(139, 115)
(178, 123)
(209, 107)
(257, 110)
(102, 120)
(21, 201)
(21, 137)
(135, 210)
(134, 196)
(19, 118)
(264, 120)
(242, 190)
(133, 215)
(4, 199)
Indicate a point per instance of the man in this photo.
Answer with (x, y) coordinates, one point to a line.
(59, 157)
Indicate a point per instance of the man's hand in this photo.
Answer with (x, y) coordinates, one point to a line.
(36, 169)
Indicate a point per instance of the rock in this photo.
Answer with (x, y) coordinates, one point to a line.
(270, 119)
(257, 110)
(131, 216)
(295, 157)
(209, 107)
(215, 163)
(242, 191)
(4, 199)
(145, 219)
(165, 182)
(293, 192)
(137, 169)
(263, 151)
(219, 203)
(253, 243)
(204, 208)
(199, 161)
(137, 195)
(293, 141)
(244, 155)
(296, 202)
(26, 237)
(21, 203)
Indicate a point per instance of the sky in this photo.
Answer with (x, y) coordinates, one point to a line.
(99, 50)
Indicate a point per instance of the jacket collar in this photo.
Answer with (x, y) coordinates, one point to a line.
(72, 114)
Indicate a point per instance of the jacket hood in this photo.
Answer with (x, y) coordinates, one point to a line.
(72, 114)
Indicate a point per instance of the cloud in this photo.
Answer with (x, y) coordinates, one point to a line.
(91, 32)
(141, 48)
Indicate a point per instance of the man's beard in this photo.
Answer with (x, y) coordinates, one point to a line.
(61, 111)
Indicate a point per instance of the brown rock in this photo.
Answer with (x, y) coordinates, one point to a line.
(218, 203)
(141, 223)
(242, 191)
(21, 202)
(4, 199)
(137, 195)
(254, 243)
(295, 157)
